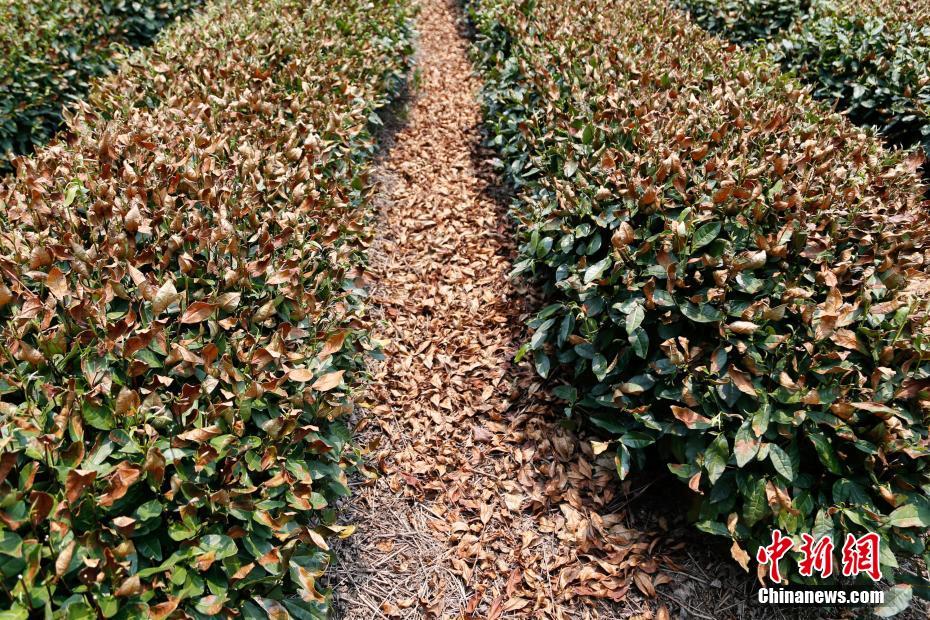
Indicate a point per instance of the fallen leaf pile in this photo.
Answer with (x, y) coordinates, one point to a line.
(735, 275)
(179, 319)
(486, 506)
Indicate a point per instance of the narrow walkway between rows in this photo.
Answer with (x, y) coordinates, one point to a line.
(485, 507)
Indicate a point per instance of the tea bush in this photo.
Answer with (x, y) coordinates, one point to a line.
(746, 21)
(179, 325)
(734, 273)
(870, 57)
(53, 49)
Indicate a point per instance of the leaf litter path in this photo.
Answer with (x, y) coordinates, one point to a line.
(485, 507)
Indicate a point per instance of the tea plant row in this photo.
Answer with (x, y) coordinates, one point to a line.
(179, 319)
(736, 277)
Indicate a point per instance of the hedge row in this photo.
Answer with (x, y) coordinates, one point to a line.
(735, 274)
(871, 57)
(53, 49)
(179, 319)
(746, 21)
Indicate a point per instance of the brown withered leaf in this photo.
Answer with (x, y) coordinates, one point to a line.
(7, 461)
(75, 483)
(644, 583)
(301, 375)
(120, 480)
(689, 417)
(197, 312)
(131, 586)
(742, 382)
(740, 555)
(57, 284)
(201, 435)
(329, 381)
(41, 506)
(165, 297)
(333, 344)
(161, 611)
(229, 301)
(744, 328)
(63, 561)
(154, 465)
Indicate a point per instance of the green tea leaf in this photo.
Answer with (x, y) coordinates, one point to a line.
(597, 270)
(746, 445)
(781, 462)
(623, 461)
(705, 234)
(825, 452)
(716, 456)
(910, 515)
(635, 318)
(755, 504)
(639, 340)
(97, 416)
(701, 314)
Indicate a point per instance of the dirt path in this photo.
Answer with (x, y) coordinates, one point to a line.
(485, 507)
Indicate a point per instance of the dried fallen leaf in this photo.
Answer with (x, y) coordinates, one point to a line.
(482, 435)
(390, 609)
(514, 502)
(599, 447)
